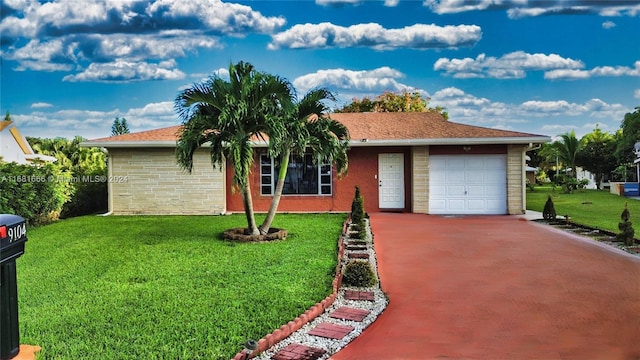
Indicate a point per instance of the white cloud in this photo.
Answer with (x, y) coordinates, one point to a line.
(65, 35)
(524, 8)
(594, 108)
(222, 17)
(366, 82)
(509, 66)
(122, 71)
(391, 3)
(636, 94)
(94, 124)
(418, 36)
(337, 2)
(560, 115)
(40, 105)
(608, 25)
(602, 71)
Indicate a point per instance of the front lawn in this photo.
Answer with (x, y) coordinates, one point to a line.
(166, 287)
(596, 208)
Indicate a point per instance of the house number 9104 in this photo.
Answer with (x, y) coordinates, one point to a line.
(17, 232)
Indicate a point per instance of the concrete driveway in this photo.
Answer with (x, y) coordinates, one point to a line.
(498, 287)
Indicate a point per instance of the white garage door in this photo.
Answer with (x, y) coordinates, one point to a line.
(468, 184)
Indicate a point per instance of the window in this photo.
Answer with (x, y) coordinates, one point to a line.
(303, 176)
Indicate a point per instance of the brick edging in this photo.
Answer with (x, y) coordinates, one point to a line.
(313, 312)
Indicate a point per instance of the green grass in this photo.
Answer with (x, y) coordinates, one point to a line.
(158, 287)
(596, 208)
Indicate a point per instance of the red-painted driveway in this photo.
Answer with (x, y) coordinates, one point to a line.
(498, 287)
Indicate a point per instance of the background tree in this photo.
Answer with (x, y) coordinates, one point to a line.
(307, 129)
(568, 147)
(86, 168)
(392, 102)
(549, 160)
(630, 135)
(229, 115)
(597, 154)
(119, 127)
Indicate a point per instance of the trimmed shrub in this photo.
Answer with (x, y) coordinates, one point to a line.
(549, 211)
(625, 226)
(359, 273)
(357, 208)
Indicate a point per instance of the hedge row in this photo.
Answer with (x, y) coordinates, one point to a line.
(37, 193)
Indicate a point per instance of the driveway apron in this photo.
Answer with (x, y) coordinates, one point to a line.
(498, 287)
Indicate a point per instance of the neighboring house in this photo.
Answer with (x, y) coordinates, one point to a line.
(582, 174)
(531, 174)
(15, 148)
(408, 162)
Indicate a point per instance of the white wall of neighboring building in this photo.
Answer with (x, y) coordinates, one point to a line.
(582, 174)
(15, 148)
(10, 150)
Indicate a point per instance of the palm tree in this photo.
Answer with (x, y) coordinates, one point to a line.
(228, 116)
(568, 148)
(307, 129)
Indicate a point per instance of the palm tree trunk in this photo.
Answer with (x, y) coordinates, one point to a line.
(277, 195)
(248, 210)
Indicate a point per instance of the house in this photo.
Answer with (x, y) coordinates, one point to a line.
(15, 148)
(408, 162)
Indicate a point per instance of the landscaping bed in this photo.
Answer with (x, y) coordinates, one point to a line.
(599, 235)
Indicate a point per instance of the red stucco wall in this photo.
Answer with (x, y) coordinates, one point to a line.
(363, 169)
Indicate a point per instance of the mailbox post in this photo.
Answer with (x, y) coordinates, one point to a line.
(13, 235)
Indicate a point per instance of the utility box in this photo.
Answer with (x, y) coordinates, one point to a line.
(13, 235)
(630, 189)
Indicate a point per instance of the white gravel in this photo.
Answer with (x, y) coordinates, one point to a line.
(332, 346)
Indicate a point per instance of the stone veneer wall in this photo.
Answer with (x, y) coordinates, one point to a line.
(420, 179)
(516, 173)
(148, 181)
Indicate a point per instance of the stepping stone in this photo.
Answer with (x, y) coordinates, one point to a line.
(331, 331)
(357, 242)
(359, 295)
(348, 313)
(358, 256)
(356, 247)
(298, 352)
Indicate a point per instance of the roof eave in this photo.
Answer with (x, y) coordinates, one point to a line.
(353, 143)
(453, 141)
(129, 144)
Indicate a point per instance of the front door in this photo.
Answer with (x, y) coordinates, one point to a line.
(391, 181)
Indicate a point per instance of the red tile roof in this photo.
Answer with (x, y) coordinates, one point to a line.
(374, 127)
(413, 125)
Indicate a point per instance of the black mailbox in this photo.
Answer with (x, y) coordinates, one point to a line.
(13, 235)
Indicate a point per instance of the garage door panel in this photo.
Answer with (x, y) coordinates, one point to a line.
(495, 206)
(476, 191)
(455, 190)
(454, 163)
(456, 204)
(476, 178)
(497, 177)
(495, 162)
(474, 164)
(438, 205)
(467, 184)
(476, 205)
(455, 176)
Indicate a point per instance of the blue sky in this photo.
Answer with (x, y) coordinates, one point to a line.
(69, 67)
